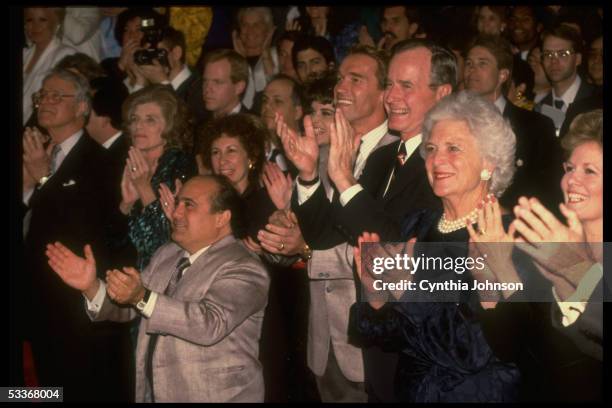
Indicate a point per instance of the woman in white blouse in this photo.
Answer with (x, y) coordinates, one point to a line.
(45, 49)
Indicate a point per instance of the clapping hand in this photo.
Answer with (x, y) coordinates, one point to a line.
(78, 273)
(282, 234)
(302, 151)
(36, 159)
(278, 184)
(124, 287)
(342, 153)
(129, 194)
(167, 197)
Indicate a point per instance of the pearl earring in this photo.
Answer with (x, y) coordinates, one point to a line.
(485, 175)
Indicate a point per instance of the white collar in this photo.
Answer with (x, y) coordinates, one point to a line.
(180, 77)
(570, 94)
(111, 140)
(196, 255)
(67, 145)
(368, 143)
(236, 108)
(501, 103)
(412, 144)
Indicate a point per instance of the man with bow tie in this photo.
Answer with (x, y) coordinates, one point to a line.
(202, 299)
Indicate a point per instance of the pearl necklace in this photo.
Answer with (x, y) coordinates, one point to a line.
(445, 226)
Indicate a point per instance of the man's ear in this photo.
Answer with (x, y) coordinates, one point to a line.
(83, 109)
(504, 75)
(240, 88)
(223, 219)
(412, 29)
(442, 91)
(578, 58)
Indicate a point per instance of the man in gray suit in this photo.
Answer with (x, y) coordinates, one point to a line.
(202, 299)
(337, 364)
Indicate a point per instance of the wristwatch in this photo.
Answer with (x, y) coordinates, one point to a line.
(143, 302)
(306, 253)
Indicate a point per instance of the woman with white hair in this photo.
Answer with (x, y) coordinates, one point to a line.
(44, 49)
(444, 357)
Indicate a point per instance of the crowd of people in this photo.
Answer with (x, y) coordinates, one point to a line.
(198, 183)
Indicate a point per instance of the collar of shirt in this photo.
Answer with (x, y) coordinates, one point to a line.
(236, 109)
(196, 255)
(501, 103)
(412, 144)
(368, 143)
(181, 77)
(110, 141)
(569, 95)
(66, 146)
(524, 55)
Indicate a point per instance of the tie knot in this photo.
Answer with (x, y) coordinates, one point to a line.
(559, 103)
(183, 264)
(401, 154)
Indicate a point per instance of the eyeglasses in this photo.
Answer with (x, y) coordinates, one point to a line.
(559, 54)
(54, 97)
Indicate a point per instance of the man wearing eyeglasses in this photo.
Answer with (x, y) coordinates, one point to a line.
(561, 56)
(68, 198)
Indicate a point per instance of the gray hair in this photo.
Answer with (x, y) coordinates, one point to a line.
(493, 134)
(264, 12)
(81, 85)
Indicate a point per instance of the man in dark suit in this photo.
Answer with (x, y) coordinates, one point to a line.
(539, 157)
(104, 126)
(561, 56)
(69, 202)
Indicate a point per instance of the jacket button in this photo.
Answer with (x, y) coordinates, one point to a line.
(328, 289)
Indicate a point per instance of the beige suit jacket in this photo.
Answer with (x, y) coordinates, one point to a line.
(209, 329)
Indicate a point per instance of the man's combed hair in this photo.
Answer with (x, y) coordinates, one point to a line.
(227, 198)
(239, 65)
(81, 86)
(380, 56)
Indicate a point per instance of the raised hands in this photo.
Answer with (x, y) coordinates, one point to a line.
(559, 251)
(302, 151)
(129, 194)
(36, 159)
(155, 73)
(78, 273)
(377, 299)
(493, 244)
(124, 287)
(238, 44)
(342, 153)
(278, 184)
(282, 235)
(141, 173)
(167, 197)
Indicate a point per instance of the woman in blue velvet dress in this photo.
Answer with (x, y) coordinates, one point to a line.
(444, 356)
(158, 127)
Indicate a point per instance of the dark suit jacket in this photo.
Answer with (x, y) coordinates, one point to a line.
(368, 210)
(585, 90)
(539, 159)
(190, 91)
(72, 207)
(588, 104)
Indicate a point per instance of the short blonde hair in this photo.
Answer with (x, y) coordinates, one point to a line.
(586, 127)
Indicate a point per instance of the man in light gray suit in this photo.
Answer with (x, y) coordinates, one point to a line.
(338, 365)
(202, 299)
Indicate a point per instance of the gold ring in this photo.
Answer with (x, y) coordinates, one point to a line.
(165, 203)
(133, 169)
(482, 231)
(281, 246)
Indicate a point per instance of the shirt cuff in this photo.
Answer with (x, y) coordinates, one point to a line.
(348, 194)
(148, 309)
(96, 303)
(304, 192)
(587, 284)
(571, 311)
(27, 195)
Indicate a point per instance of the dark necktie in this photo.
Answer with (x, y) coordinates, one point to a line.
(559, 103)
(183, 264)
(402, 156)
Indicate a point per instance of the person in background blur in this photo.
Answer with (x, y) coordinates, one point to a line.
(491, 20)
(524, 29)
(541, 85)
(284, 47)
(312, 57)
(595, 62)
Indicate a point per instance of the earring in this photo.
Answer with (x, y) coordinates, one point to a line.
(250, 166)
(485, 175)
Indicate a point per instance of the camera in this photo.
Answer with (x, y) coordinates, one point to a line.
(152, 35)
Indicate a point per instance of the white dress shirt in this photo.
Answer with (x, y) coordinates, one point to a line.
(574, 306)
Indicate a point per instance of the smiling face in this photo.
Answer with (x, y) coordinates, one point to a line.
(322, 118)
(357, 92)
(408, 96)
(582, 183)
(453, 162)
(396, 26)
(229, 158)
(253, 33)
(40, 25)
(523, 27)
(146, 125)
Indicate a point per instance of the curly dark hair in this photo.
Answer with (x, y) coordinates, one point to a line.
(179, 121)
(250, 131)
